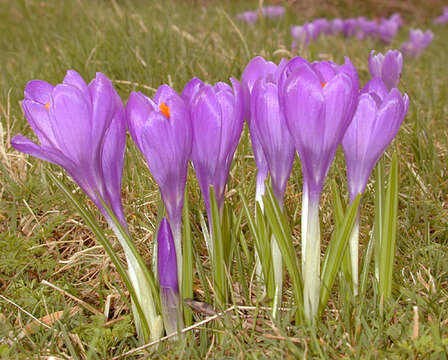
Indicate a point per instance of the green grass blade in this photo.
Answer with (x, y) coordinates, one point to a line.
(282, 233)
(389, 232)
(102, 239)
(335, 252)
(379, 216)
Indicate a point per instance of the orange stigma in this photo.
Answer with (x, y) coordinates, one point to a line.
(165, 110)
(47, 106)
(323, 84)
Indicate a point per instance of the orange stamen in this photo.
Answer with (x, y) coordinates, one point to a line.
(323, 84)
(47, 106)
(165, 110)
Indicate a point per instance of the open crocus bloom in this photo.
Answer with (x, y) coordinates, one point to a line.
(81, 128)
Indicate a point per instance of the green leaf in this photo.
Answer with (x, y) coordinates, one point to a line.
(101, 237)
(282, 232)
(218, 256)
(379, 213)
(335, 252)
(389, 232)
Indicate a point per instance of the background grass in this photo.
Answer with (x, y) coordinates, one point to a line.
(141, 45)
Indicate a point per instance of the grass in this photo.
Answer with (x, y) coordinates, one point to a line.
(141, 45)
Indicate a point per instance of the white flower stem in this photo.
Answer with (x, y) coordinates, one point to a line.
(172, 317)
(311, 260)
(354, 250)
(259, 192)
(277, 263)
(304, 224)
(142, 289)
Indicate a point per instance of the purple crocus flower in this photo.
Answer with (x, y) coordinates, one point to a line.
(387, 29)
(249, 17)
(418, 41)
(256, 68)
(318, 101)
(81, 128)
(377, 118)
(272, 132)
(273, 11)
(168, 278)
(336, 26)
(442, 19)
(322, 25)
(396, 18)
(300, 36)
(387, 67)
(376, 121)
(217, 116)
(349, 27)
(161, 129)
(366, 28)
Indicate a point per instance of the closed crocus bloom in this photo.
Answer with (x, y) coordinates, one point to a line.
(271, 129)
(387, 29)
(161, 129)
(349, 27)
(217, 116)
(387, 67)
(273, 11)
(336, 26)
(442, 19)
(249, 17)
(418, 41)
(376, 121)
(80, 128)
(257, 68)
(318, 101)
(168, 278)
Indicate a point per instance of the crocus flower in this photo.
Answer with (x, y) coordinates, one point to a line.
(418, 41)
(387, 29)
(272, 132)
(300, 36)
(273, 11)
(249, 17)
(168, 278)
(442, 19)
(336, 26)
(396, 18)
(322, 25)
(377, 118)
(349, 27)
(366, 28)
(162, 131)
(318, 101)
(387, 67)
(217, 116)
(81, 128)
(256, 68)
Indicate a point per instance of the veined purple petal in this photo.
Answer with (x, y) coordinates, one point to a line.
(387, 67)
(273, 133)
(166, 257)
(38, 91)
(375, 124)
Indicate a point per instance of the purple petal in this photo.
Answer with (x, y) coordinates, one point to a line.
(38, 91)
(166, 258)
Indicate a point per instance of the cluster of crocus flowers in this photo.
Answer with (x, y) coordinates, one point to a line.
(384, 29)
(442, 19)
(418, 41)
(270, 12)
(296, 106)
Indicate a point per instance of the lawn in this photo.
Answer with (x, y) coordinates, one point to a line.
(61, 296)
